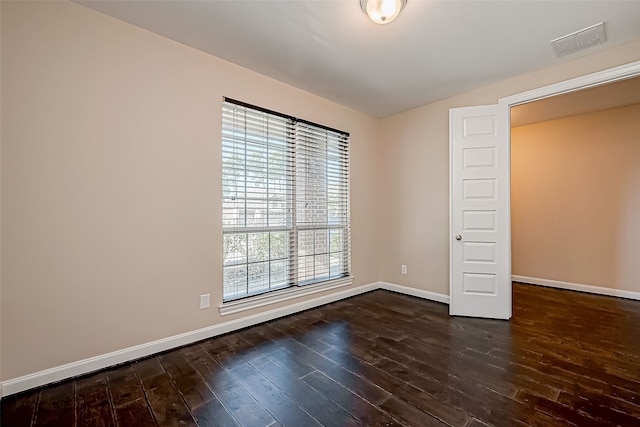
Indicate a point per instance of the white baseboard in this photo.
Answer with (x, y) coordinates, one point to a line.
(96, 363)
(92, 364)
(433, 296)
(577, 287)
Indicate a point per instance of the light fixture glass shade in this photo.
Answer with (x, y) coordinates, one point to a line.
(382, 11)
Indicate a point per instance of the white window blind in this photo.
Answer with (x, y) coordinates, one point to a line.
(285, 207)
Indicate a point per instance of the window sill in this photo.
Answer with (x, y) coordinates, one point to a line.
(283, 295)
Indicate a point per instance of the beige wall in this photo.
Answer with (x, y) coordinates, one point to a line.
(575, 199)
(111, 183)
(415, 175)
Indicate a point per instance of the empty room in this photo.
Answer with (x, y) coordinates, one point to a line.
(319, 212)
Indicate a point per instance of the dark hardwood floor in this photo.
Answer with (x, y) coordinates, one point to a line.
(382, 359)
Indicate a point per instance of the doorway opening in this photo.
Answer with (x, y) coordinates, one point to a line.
(575, 174)
(625, 77)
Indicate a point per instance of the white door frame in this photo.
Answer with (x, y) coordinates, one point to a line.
(611, 75)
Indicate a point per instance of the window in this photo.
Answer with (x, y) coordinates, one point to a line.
(285, 201)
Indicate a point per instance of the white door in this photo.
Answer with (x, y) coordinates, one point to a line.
(480, 254)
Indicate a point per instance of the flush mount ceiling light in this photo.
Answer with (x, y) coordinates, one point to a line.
(382, 11)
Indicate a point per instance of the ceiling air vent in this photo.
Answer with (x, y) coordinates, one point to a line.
(579, 40)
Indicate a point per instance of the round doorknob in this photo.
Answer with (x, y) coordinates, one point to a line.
(458, 237)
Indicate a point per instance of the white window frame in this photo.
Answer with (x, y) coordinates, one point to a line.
(302, 137)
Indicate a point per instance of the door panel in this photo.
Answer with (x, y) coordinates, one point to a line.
(479, 189)
(479, 157)
(480, 282)
(479, 252)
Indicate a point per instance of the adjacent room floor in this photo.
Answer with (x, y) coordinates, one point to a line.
(381, 358)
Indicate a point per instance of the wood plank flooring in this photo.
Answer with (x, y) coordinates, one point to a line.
(378, 359)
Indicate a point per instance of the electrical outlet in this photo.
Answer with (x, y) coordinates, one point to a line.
(205, 301)
(404, 269)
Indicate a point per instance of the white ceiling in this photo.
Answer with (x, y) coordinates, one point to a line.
(435, 49)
